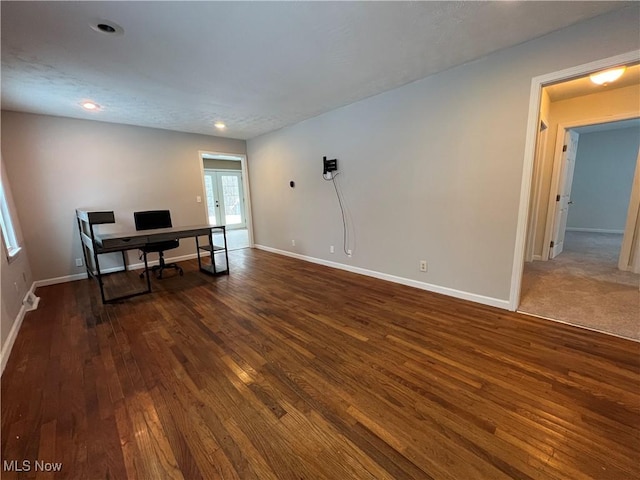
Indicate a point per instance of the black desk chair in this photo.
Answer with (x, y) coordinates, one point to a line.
(149, 220)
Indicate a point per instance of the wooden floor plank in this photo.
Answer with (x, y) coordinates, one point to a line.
(290, 370)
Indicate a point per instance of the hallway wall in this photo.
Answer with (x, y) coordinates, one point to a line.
(602, 180)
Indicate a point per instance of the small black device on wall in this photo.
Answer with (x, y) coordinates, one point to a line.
(329, 165)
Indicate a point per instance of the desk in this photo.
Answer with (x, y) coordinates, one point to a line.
(94, 245)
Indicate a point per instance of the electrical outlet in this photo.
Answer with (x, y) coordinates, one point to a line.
(349, 253)
(423, 265)
(198, 199)
(331, 249)
(293, 243)
(78, 262)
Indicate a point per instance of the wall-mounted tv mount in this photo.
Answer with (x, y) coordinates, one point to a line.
(329, 165)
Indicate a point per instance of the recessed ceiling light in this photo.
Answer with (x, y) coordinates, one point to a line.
(107, 27)
(607, 76)
(92, 106)
(220, 125)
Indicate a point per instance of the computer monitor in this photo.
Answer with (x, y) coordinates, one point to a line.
(151, 219)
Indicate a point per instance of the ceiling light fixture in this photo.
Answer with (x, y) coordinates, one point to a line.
(607, 76)
(220, 125)
(91, 106)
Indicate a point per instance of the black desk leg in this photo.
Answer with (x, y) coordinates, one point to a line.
(146, 270)
(213, 259)
(99, 276)
(198, 253)
(226, 249)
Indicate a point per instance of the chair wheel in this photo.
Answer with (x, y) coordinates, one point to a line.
(181, 273)
(141, 275)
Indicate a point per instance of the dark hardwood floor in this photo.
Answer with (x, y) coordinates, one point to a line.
(289, 370)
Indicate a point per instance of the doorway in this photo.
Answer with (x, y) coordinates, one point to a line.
(552, 202)
(581, 283)
(605, 203)
(226, 196)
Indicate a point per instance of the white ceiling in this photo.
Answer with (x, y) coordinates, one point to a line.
(257, 66)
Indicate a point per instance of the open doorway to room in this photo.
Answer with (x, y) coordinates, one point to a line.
(226, 196)
(582, 237)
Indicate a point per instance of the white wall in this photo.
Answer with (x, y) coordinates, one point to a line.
(16, 278)
(56, 165)
(431, 170)
(602, 180)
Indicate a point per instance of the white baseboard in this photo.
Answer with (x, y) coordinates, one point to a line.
(537, 257)
(451, 292)
(132, 266)
(594, 230)
(30, 302)
(17, 323)
(56, 280)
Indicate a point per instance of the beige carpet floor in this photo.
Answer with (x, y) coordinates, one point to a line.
(584, 287)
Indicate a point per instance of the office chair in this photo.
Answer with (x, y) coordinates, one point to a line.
(149, 220)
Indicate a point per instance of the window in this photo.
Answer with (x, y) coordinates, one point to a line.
(8, 231)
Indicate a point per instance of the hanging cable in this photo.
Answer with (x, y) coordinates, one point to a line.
(332, 179)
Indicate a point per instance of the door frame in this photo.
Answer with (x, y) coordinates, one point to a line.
(245, 185)
(629, 259)
(557, 167)
(530, 149)
(542, 139)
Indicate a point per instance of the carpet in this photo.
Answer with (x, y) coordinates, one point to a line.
(583, 286)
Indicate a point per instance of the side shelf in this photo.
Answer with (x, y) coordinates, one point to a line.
(219, 259)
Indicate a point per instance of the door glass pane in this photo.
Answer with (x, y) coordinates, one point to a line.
(231, 194)
(211, 201)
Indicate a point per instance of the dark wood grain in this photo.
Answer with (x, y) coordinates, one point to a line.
(289, 370)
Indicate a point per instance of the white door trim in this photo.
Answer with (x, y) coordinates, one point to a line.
(629, 253)
(530, 150)
(532, 225)
(245, 184)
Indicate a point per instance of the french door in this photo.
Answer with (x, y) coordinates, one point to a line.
(225, 198)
